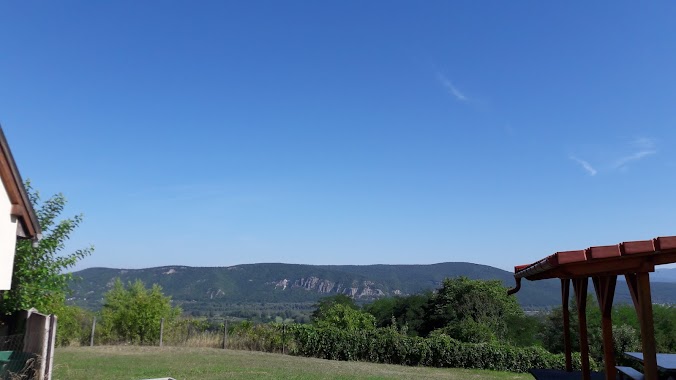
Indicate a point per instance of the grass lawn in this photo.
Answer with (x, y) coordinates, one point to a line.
(134, 363)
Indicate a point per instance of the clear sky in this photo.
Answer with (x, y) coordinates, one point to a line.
(345, 132)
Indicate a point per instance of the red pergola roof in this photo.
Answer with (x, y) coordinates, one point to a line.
(617, 258)
(635, 260)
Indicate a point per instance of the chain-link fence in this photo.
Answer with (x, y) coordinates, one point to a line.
(15, 364)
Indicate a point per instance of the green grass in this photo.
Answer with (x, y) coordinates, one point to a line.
(134, 363)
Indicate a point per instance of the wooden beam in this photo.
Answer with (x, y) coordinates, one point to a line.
(565, 296)
(18, 210)
(645, 311)
(666, 257)
(606, 267)
(8, 180)
(580, 288)
(632, 284)
(13, 186)
(605, 292)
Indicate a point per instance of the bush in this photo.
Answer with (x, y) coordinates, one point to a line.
(387, 345)
(272, 337)
(345, 317)
(133, 313)
(192, 332)
(74, 325)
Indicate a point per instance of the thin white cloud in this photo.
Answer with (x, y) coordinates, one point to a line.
(645, 147)
(451, 88)
(633, 157)
(585, 165)
(644, 143)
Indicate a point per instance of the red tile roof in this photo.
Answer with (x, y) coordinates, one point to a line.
(570, 263)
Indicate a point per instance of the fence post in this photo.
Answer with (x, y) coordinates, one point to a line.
(225, 334)
(161, 330)
(91, 339)
(284, 338)
(49, 363)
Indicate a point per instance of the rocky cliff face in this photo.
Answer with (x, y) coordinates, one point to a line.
(364, 289)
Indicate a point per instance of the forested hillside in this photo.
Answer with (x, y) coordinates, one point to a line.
(248, 290)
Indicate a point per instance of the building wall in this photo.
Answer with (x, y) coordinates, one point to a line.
(8, 226)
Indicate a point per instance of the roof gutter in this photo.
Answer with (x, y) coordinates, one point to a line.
(516, 288)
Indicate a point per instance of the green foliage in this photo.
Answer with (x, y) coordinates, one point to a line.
(345, 317)
(664, 321)
(407, 312)
(523, 330)
(552, 331)
(463, 305)
(386, 345)
(39, 279)
(270, 337)
(664, 318)
(473, 311)
(626, 329)
(625, 339)
(326, 303)
(470, 331)
(383, 310)
(133, 313)
(74, 324)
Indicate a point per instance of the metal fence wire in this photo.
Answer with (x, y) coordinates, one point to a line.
(15, 364)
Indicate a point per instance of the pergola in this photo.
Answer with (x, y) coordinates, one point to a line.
(635, 260)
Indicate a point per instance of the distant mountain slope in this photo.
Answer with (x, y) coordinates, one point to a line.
(297, 283)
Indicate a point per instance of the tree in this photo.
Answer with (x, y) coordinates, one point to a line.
(326, 303)
(133, 313)
(524, 330)
(383, 310)
(407, 312)
(39, 279)
(74, 325)
(484, 304)
(346, 318)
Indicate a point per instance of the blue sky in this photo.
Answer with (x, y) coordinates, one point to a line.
(220, 133)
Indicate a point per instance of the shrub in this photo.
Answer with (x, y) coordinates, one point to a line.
(387, 345)
(74, 325)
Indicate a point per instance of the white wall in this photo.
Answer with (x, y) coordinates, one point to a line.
(7, 240)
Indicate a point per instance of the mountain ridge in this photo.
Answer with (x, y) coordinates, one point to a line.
(213, 289)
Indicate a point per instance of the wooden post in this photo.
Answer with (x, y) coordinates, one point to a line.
(49, 363)
(225, 334)
(632, 283)
(91, 339)
(565, 295)
(161, 330)
(639, 286)
(605, 292)
(284, 339)
(580, 288)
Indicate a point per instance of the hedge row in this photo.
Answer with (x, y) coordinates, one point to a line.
(386, 345)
